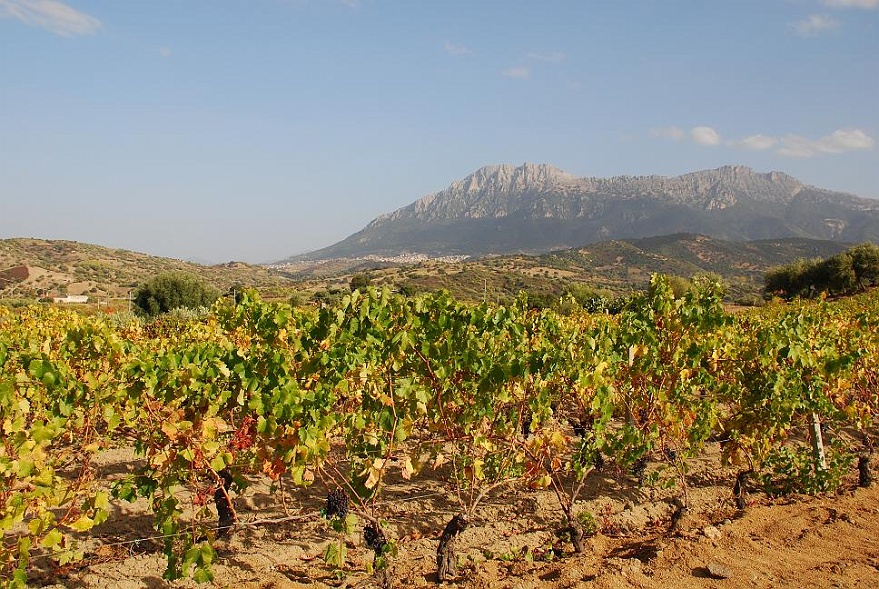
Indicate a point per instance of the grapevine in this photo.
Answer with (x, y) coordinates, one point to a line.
(380, 386)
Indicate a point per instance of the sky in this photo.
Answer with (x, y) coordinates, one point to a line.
(252, 130)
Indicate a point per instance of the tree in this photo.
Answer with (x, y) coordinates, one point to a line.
(407, 290)
(235, 292)
(360, 281)
(170, 290)
(865, 262)
(841, 275)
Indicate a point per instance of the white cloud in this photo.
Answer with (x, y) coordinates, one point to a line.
(675, 133)
(165, 52)
(867, 4)
(552, 57)
(756, 142)
(453, 49)
(704, 136)
(517, 72)
(815, 24)
(840, 141)
(51, 15)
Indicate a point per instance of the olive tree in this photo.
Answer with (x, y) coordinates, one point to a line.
(171, 290)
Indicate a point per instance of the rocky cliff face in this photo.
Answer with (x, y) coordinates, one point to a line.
(535, 208)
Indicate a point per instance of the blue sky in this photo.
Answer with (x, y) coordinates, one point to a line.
(255, 129)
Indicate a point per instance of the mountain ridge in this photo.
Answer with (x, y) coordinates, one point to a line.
(535, 208)
(506, 179)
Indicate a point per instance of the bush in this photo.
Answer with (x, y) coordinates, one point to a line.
(123, 320)
(172, 290)
(679, 285)
(296, 300)
(328, 298)
(360, 282)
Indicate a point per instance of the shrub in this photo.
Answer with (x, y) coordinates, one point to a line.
(360, 281)
(172, 290)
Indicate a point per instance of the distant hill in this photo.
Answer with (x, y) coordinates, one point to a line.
(38, 266)
(615, 266)
(535, 208)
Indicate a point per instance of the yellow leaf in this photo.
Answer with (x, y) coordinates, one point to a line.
(407, 469)
(541, 482)
(82, 524)
(102, 500)
(558, 439)
(170, 430)
(478, 473)
(375, 471)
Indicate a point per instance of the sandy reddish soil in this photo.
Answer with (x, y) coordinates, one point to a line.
(829, 541)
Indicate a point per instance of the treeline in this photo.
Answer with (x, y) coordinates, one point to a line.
(848, 272)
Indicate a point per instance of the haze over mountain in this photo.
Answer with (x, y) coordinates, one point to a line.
(536, 208)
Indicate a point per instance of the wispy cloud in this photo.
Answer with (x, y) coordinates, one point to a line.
(756, 142)
(551, 57)
(532, 58)
(165, 52)
(675, 133)
(705, 136)
(51, 15)
(517, 72)
(867, 4)
(815, 24)
(840, 141)
(453, 49)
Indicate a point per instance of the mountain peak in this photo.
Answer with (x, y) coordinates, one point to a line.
(507, 177)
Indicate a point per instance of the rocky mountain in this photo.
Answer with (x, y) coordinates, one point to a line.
(536, 208)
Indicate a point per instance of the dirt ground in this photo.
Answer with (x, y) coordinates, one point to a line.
(829, 541)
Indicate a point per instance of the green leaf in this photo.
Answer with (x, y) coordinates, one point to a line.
(203, 575)
(52, 539)
(43, 433)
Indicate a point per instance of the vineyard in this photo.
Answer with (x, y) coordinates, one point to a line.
(349, 421)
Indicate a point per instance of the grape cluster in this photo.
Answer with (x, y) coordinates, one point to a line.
(639, 468)
(374, 538)
(598, 461)
(526, 426)
(337, 504)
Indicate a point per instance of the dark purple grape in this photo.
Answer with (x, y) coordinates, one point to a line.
(639, 468)
(337, 504)
(374, 538)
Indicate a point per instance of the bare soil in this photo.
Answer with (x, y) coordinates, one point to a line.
(827, 541)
